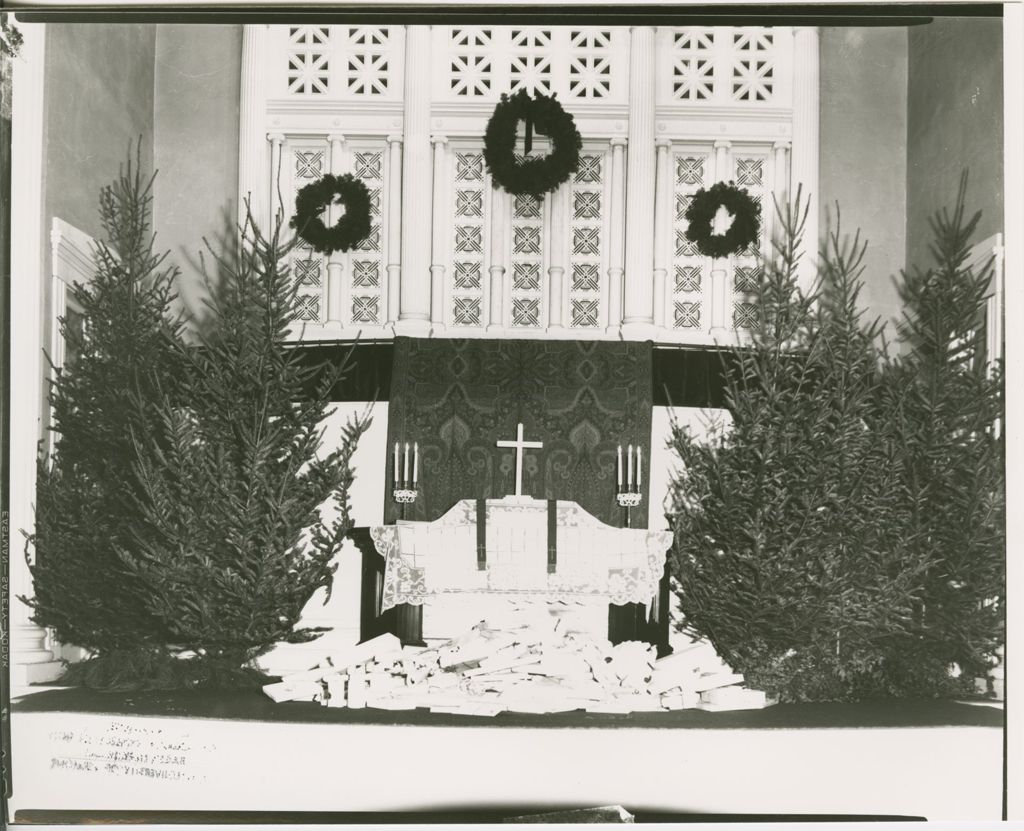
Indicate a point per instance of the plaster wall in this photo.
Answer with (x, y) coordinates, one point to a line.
(195, 117)
(955, 124)
(863, 155)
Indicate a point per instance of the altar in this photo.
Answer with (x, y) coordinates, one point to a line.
(483, 554)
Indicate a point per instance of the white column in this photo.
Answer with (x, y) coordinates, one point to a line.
(804, 159)
(557, 257)
(499, 200)
(662, 222)
(31, 661)
(440, 227)
(780, 190)
(638, 319)
(719, 295)
(252, 148)
(276, 206)
(414, 309)
(394, 226)
(617, 242)
(337, 290)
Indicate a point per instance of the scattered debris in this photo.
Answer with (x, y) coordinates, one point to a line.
(523, 662)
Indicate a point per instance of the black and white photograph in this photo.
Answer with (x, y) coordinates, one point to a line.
(476, 413)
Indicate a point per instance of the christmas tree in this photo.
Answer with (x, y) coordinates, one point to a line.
(948, 409)
(796, 552)
(121, 360)
(242, 512)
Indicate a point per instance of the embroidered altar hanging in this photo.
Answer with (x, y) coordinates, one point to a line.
(457, 398)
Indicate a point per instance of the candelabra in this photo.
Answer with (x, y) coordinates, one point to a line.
(629, 499)
(628, 496)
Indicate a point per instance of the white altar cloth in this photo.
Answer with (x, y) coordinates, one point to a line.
(594, 560)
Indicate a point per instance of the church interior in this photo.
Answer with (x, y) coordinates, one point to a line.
(525, 357)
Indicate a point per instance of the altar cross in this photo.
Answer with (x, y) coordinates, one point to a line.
(520, 445)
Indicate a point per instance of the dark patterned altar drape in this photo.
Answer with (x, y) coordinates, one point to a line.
(457, 398)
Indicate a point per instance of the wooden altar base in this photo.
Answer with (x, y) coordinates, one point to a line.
(933, 759)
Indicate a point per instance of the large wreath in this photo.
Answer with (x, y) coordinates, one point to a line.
(533, 176)
(316, 197)
(746, 223)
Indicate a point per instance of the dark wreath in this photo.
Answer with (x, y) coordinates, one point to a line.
(348, 231)
(746, 222)
(531, 176)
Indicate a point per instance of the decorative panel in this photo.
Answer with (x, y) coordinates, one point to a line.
(690, 272)
(750, 170)
(305, 163)
(586, 260)
(574, 63)
(726, 66)
(366, 262)
(527, 262)
(337, 63)
(467, 278)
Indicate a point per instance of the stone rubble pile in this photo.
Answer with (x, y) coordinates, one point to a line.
(524, 661)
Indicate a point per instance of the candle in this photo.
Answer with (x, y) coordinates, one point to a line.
(415, 461)
(618, 469)
(629, 467)
(639, 468)
(405, 468)
(396, 463)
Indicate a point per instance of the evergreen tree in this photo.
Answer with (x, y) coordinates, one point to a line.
(788, 552)
(242, 515)
(108, 386)
(948, 415)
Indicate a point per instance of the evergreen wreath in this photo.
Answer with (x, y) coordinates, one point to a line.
(545, 115)
(348, 231)
(745, 226)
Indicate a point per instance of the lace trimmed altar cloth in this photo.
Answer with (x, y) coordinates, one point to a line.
(589, 560)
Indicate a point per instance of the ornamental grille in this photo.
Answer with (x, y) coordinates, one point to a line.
(527, 261)
(585, 256)
(340, 62)
(466, 279)
(361, 292)
(690, 270)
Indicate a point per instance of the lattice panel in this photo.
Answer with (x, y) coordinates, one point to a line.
(306, 163)
(586, 262)
(726, 66)
(527, 262)
(467, 277)
(751, 171)
(481, 63)
(690, 271)
(338, 63)
(366, 266)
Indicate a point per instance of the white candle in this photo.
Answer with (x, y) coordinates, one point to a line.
(405, 468)
(396, 463)
(639, 468)
(415, 461)
(629, 467)
(618, 468)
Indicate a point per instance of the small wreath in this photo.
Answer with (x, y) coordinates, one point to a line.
(746, 222)
(348, 231)
(535, 176)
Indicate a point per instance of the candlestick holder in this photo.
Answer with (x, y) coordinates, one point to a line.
(629, 499)
(405, 495)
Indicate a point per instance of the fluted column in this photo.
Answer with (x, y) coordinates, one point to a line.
(252, 129)
(440, 226)
(337, 289)
(662, 221)
(557, 258)
(804, 159)
(638, 320)
(414, 309)
(497, 266)
(617, 242)
(394, 249)
(31, 660)
(276, 143)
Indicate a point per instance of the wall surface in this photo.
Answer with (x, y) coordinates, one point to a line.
(955, 124)
(98, 97)
(195, 115)
(863, 156)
